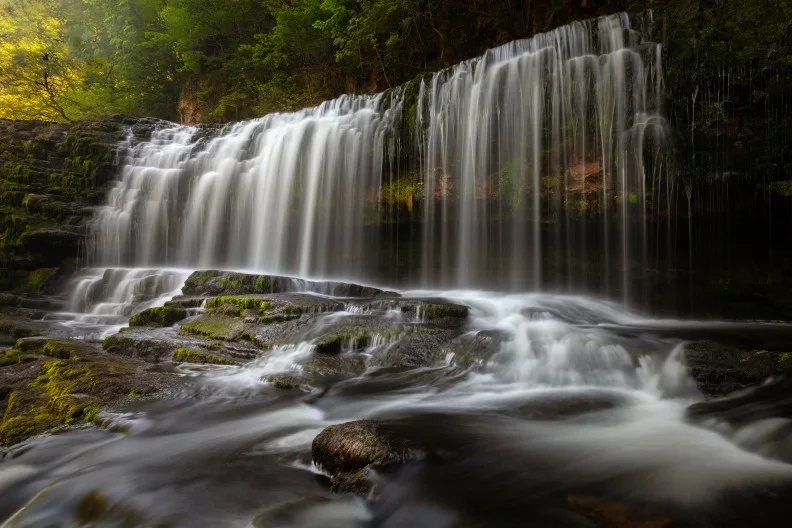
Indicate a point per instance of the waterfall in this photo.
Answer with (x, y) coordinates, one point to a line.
(535, 157)
(285, 193)
(543, 131)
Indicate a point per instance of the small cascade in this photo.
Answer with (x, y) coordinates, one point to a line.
(103, 299)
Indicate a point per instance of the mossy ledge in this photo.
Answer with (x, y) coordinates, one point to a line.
(223, 283)
(214, 326)
(161, 316)
(189, 355)
(68, 386)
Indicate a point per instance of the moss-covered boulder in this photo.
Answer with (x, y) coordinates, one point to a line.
(352, 446)
(160, 316)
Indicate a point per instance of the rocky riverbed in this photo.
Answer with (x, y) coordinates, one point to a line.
(390, 397)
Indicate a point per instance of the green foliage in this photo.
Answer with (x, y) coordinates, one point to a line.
(405, 191)
(219, 60)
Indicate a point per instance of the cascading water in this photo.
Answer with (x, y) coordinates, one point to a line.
(535, 132)
(287, 193)
(528, 143)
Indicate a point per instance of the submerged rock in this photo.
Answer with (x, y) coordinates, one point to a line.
(352, 446)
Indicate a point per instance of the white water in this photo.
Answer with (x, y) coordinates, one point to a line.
(285, 193)
(520, 123)
(103, 299)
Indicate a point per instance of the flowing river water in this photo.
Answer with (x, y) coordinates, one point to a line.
(542, 396)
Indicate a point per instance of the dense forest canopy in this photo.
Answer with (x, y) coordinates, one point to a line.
(221, 60)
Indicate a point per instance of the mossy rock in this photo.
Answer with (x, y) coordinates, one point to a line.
(216, 283)
(160, 316)
(354, 482)
(327, 368)
(219, 283)
(190, 355)
(54, 348)
(65, 392)
(18, 327)
(186, 302)
(352, 446)
(284, 381)
(214, 326)
(14, 356)
(139, 346)
(237, 306)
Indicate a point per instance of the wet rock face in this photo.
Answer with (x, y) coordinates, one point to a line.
(721, 369)
(212, 283)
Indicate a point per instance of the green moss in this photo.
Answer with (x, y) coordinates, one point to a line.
(14, 356)
(37, 279)
(188, 355)
(56, 397)
(161, 316)
(186, 302)
(236, 304)
(112, 341)
(214, 326)
(283, 382)
(783, 357)
(198, 280)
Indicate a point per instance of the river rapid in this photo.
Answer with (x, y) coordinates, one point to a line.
(576, 398)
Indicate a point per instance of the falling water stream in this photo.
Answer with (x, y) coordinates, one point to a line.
(505, 145)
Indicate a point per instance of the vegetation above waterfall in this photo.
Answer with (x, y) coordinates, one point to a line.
(211, 60)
